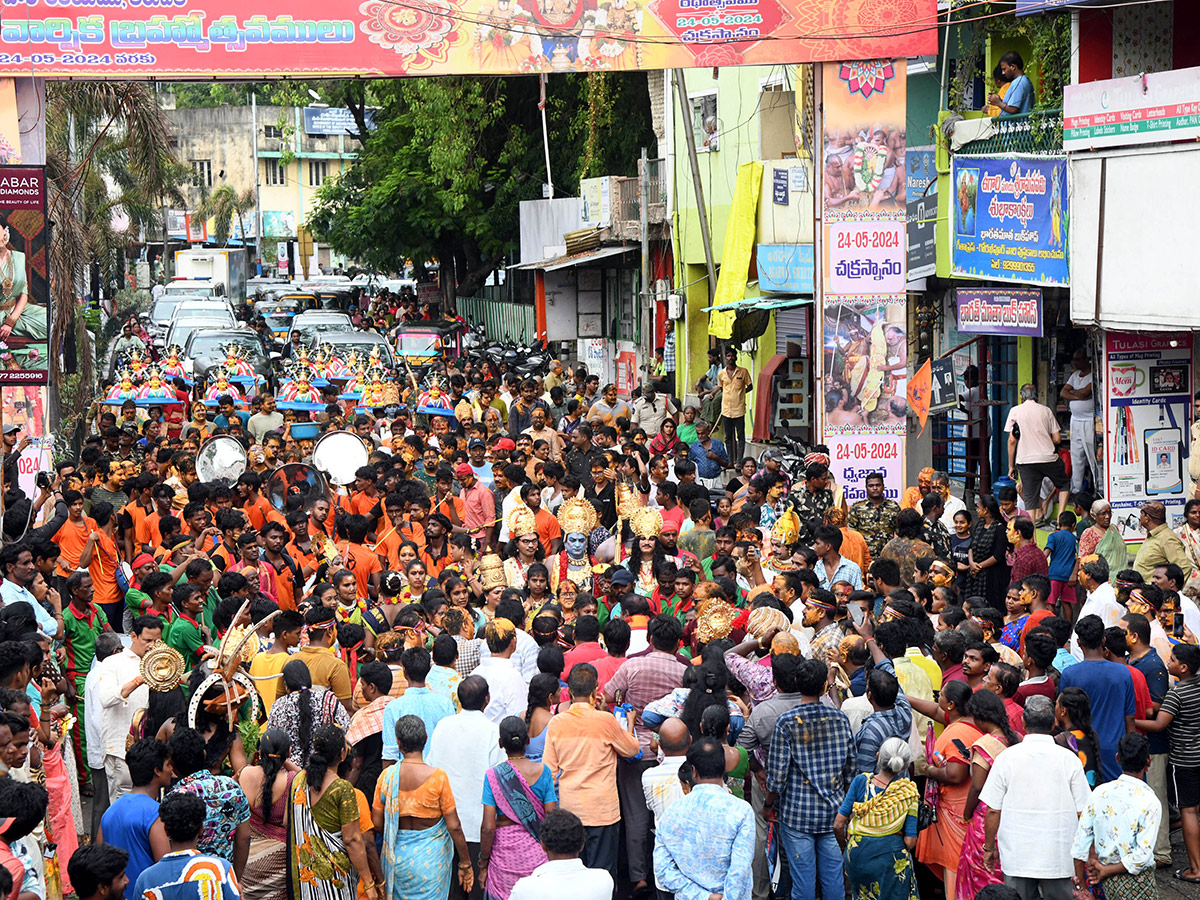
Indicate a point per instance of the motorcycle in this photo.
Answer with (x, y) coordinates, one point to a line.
(790, 451)
(526, 361)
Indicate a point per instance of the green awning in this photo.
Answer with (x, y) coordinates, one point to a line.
(773, 301)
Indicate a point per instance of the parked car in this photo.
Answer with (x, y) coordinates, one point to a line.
(317, 324)
(202, 307)
(161, 314)
(182, 329)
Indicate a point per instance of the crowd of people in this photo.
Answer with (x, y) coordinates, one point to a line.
(564, 645)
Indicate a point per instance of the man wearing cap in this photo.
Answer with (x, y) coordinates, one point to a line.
(479, 465)
(1162, 545)
(649, 412)
(479, 506)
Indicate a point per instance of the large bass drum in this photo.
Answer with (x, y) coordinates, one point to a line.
(338, 455)
(294, 480)
(220, 460)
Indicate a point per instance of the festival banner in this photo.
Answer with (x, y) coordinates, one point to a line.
(1147, 386)
(24, 282)
(1010, 218)
(864, 208)
(921, 196)
(999, 311)
(194, 39)
(26, 406)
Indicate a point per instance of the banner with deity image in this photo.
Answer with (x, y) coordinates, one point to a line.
(864, 211)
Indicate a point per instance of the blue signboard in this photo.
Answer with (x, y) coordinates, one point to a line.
(1028, 7)
(1009, 219)
(786, 268)
(921, 196)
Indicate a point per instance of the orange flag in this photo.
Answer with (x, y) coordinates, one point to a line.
(919, 387)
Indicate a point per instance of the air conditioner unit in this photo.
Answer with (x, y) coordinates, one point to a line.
(675, 306)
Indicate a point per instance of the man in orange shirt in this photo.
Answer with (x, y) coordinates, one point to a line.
(232, 523)
(256, 507)
(445, 502)
(135, 511)
(148, 535)
(300, 546)
(289, 578)
(73, 536)
(583, 746)
(387, 531)
(548, 530)
(414, 529)
(365, 496)
(360, 560)
(99, 557)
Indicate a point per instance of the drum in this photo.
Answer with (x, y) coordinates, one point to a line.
(294, 480)
(220, 460)
(338, 455)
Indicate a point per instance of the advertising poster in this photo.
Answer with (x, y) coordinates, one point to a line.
(853, 457)
(345, 38)
(26, 405)
(1010, 218)
(1151, 108)
(921, 196)
(864, 211)
(24, 285)
(998, 311)
(1147, 383)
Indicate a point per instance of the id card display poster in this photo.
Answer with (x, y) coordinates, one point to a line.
(1147, 381)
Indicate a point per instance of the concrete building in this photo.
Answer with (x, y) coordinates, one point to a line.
(294, 159)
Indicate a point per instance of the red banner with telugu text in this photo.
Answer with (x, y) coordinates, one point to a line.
(190, 39)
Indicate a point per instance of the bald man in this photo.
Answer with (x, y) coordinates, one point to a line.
(661, 783)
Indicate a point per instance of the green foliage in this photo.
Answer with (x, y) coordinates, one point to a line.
(442, 176)
(1048, 34)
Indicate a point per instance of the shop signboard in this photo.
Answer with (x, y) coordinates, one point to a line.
(25, 343)
(1141, 109)
(1000, 311)
(1009, 218)
(921, 195)
(203, 39)
(785, 268)
(943, 391)
(1147, 382)
(332, 120)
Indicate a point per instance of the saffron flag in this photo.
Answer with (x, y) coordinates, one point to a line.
(919, 388)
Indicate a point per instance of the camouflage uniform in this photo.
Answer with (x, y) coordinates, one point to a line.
(877, 524)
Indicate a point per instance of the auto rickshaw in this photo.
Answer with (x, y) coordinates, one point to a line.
(423, 343)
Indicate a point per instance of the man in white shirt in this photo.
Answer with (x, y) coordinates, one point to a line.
(1078, 394)
(465, 746)
(1034, 795)
(1034, 454)
(121, 692)
(525, 656)
(107, 645)
(661, 783)
(950, 503)
(1101, 600)
(508, 690)
(564, 875)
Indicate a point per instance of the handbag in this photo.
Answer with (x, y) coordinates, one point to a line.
(926, 815)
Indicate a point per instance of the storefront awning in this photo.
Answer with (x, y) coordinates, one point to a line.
(563, 262)
(770, 303)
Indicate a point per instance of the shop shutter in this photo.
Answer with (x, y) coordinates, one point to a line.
(792, 325)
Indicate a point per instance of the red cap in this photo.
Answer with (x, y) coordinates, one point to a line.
(505, 444)
(464, 471)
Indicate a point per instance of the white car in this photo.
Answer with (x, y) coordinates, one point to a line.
(215, 307)
(182, 329)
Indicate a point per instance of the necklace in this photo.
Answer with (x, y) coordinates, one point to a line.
(6, 269)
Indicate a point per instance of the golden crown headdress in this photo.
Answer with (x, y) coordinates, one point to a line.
(787, 528)
(577, 516)
(521, 521)
(646, 522)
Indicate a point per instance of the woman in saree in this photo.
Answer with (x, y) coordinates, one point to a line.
(940, 845)
(517, 794)
(325, 845)
(268, 787)
(1104, 539)
(988, 712)
(877, 827)
(414, 808)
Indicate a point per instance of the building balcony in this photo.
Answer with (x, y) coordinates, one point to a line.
(626, 216)
(1038, 133)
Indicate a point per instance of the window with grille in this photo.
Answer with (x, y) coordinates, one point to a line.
(202, 172)
(272, 131)
(276, 173)
(318, 171)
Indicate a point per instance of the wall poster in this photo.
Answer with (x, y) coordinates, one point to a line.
(1147, 400)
